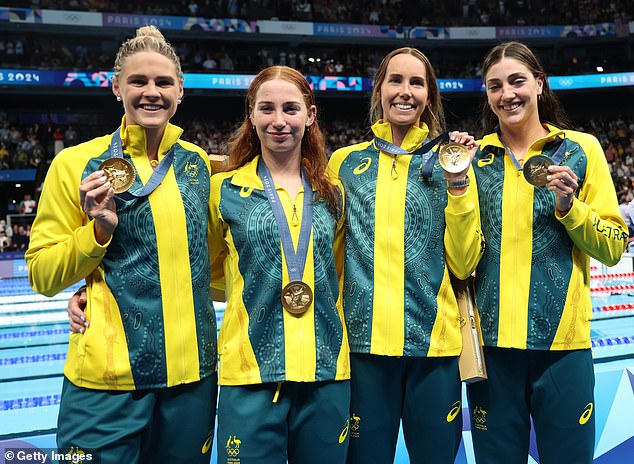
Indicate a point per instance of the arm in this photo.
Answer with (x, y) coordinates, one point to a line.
(216, 240)
(463, 240)
(592, 219)
(64, 246)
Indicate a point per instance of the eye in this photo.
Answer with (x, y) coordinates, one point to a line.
(265, 108)
(292, 108)
(419, 82)
(394, 79)
(165, 83)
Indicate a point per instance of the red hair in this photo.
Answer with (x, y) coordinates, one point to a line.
(244, 144)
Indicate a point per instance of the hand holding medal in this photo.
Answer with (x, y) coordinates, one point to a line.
(455, 158)
(96, 195)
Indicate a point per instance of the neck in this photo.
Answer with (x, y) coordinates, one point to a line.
(153, 142)
(398, 134)
(519, 139)
(285, 171)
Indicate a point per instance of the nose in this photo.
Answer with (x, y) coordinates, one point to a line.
(405, 90)
(278, 120)
(151, 90)
(507, 92)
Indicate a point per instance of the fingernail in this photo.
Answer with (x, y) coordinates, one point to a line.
(103, 178)
(82, 318)
(85, 324)
(548, 177)
(81, 331)
(99, 173)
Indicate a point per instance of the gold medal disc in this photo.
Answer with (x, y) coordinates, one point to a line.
(535, 170)
(119, 172)
(297, 297)
(454, 157)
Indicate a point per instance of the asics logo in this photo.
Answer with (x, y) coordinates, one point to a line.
(363, 166)
(587, 413)
(486, 161)
(454, 411)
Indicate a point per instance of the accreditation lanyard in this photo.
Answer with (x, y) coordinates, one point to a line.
(295, 260)
(116, 150)
(557, 157)
(429, 155)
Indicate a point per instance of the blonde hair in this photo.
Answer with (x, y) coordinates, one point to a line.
(148, 38)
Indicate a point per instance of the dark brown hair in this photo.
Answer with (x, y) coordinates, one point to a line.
(548, 106)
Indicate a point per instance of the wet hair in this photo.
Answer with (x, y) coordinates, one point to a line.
(147, 39)
(548, 106)
(244, 144)
(433, 115)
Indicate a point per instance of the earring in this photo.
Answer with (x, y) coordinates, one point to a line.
(118, 98)
(178, 102)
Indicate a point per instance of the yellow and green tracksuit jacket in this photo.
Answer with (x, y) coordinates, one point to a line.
(403, 234)
(259, 340)
(532, 284)
(152, 321)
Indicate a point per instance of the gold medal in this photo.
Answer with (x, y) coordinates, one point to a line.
(454, 157)
(297, 297)
(119, 172)
(535, 170)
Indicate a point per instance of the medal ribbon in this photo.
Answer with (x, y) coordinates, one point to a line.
(295, 261)
(429, 156)
(556, 158)
(116, 149)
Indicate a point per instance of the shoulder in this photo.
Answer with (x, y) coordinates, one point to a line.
(341, 154)
(78, 155)
(582, 138)
(192, 147)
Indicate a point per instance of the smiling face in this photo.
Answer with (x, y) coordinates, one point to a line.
(149, 89)
(404, 91)
(280, 117)
(513, 92)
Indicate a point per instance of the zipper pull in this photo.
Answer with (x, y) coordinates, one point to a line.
(394, 173)
(295, 218)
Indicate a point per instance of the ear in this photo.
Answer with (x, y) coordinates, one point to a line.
(251, 116)
(540, 85)
(116, 90)
(312, 114)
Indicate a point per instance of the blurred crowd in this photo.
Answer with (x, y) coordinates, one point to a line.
(389, 12)
(92, 52)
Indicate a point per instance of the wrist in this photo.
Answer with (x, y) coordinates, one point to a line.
(458, 183)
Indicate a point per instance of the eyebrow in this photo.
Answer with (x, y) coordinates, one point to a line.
(510, 76)
(266, 102)
(143, 76)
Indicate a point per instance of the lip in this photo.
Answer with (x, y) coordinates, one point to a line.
(150, 107)
(404, 106)
(511, 107)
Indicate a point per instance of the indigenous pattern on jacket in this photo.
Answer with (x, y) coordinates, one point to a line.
(533, 281)
(259, 340)
(403, 233)
(152, 321)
